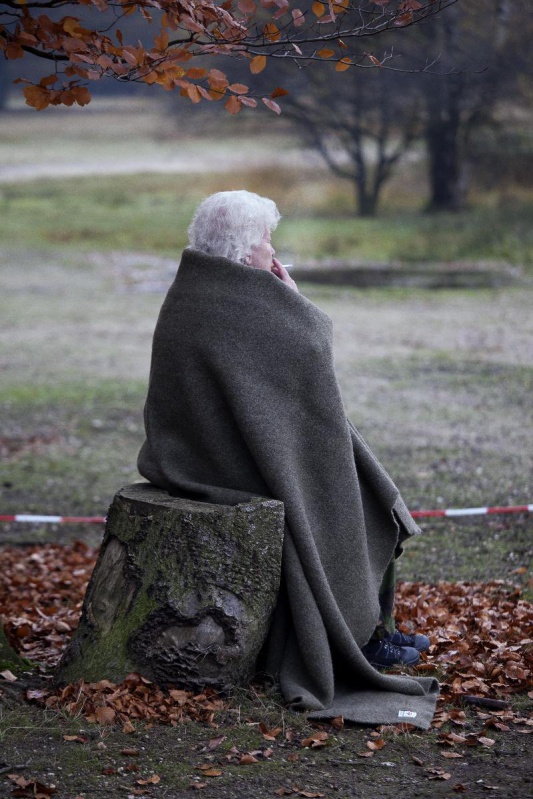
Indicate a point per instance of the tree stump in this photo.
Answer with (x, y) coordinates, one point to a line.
(182, 591)
(9, 659)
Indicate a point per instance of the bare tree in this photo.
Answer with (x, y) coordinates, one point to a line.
(477, 54)
(360, 125)
(481, 64)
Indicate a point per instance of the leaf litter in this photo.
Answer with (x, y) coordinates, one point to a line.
(481, 649)
(481, 646)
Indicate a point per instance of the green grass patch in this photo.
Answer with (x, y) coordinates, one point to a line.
(70, 447)
(81, 395)
(477, 234)
(152, 213)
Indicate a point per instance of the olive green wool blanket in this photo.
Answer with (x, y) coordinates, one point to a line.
(243, 401)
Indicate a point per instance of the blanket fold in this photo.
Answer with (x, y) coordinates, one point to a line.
(243, 401)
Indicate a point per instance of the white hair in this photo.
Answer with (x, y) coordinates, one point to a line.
(231, 223)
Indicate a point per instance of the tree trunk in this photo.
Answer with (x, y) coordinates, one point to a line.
(365, 197)
(5, 83)
(182, 591)
(444, 98)
(366, 202)
(445, 174)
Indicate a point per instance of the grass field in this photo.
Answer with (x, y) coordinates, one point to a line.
(151, 213)
(438, 382)
(135, 179)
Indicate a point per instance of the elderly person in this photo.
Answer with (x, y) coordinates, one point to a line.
(243, 401)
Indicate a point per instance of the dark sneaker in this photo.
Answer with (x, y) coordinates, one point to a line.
(417, 641)
(383, 655)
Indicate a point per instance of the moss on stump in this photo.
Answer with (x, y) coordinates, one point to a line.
(9, 659)
(182, 591)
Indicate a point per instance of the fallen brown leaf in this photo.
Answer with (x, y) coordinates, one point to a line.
(31, 788)
(247, 760)
(438, 774)
(315, 740)
(18, 779)
(215, 742)
(105, 715)
(269, 735)
(36, 695)
(451, 738)
(375, 746)
(486, 741)
(128, 728)
(153, 780)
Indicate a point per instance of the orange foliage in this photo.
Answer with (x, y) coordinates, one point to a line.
(177, 32)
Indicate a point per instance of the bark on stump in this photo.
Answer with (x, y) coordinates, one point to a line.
(182, 591)
(9, 659)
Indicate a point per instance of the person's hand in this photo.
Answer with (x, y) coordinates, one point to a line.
(279, 270)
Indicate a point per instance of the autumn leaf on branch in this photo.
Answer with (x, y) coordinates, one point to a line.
(84, 46)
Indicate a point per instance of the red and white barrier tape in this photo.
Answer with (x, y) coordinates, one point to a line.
(35, 519)
(416, 514)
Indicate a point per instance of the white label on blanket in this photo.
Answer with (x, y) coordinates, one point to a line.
(407, 714)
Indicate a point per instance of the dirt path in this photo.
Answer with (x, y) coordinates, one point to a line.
(164, 160)
(135, 137)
